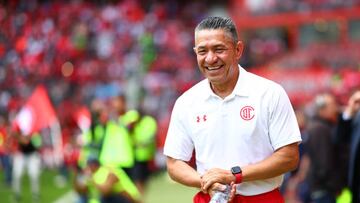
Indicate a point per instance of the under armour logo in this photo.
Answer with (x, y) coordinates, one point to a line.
(203, 118)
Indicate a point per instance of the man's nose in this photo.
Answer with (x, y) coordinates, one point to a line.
(211, 57)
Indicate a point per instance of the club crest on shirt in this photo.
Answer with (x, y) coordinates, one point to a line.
(247, 113)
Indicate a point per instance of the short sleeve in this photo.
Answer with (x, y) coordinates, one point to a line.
(178, 143)
(283, 126)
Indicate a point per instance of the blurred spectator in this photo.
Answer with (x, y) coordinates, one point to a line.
(143, 136)
(321, 177)
(265, 7)
(349, 131)
(5, 152)
(117, 139)
(111, 184)
(92, 138)
(105, 184)
(91, 145)
(27, 157)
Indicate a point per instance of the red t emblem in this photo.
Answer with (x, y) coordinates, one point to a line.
(247, 113)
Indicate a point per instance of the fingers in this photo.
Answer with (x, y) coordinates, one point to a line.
(212, 176)
(357, 100)
(202, 183)
(216, 187)
(208, 184)
(213, 184)
(353, 104)
(211, 191)
(232, 192)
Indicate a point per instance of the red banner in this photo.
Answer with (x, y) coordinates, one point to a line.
(37, 113)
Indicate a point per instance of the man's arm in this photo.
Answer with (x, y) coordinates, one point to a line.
(281, 161)
(106, 187)
(183, 173)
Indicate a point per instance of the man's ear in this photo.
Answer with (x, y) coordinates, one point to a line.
(239, 49)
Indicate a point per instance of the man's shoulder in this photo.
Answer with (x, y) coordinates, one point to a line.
(196, 92)
(262, 84)
(260, 79)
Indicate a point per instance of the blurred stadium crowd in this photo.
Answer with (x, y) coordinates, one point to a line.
(88, 53)
(260, 7)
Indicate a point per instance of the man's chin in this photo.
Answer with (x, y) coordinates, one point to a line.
(215, 81)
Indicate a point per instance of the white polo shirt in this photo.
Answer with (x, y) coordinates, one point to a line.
(244, 128)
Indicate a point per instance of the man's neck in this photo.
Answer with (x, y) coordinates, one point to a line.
(224, 90)
(221, 91)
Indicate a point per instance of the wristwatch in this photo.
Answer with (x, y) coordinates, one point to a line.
(237, 172)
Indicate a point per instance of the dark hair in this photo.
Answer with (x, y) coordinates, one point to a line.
(214, 23)
(93, 160)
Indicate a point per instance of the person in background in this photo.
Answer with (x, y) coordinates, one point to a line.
(109, 184)
(92, 140)
(117, 149)
(349, 132)
(321, 177)
(143, 136)
(27, 157)
(5, 148)
(242, 127)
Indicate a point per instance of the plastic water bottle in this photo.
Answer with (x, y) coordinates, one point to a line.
(221, 196)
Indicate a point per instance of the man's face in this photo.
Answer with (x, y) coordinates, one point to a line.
(118, 104)
(330, 110)
(217, 55)
(92, 168)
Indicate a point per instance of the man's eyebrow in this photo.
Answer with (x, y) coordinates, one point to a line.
(204, 47)
(220, 45)
(200, 47)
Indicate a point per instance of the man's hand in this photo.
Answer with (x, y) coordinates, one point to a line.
(221, 187)
(353, 104)
(215, 188)
(216, 175)
(232, 192)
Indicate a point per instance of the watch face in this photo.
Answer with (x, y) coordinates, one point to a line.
(235, 170)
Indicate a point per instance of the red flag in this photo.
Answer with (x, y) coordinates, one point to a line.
(37, 113)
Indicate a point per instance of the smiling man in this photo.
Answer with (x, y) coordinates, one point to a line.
(241, 126)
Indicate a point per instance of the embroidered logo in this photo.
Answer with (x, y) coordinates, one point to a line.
(203, 118)
(247, 113)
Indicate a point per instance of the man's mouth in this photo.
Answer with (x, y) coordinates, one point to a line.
(214, 67)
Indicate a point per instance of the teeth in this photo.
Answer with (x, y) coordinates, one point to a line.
(213, 68)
